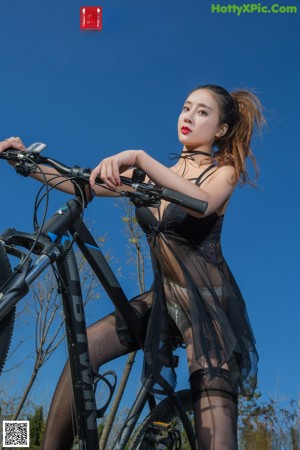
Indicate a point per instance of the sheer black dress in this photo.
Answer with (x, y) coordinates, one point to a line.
(194, 285)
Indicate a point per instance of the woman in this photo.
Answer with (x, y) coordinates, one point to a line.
(192, 282)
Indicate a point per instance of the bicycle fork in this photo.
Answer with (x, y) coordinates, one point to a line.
(17, 286)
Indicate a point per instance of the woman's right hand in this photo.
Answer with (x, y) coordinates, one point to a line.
(109, 169)
(12, 142)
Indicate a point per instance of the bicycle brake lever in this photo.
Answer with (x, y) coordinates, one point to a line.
(141, 199)
(33, 149)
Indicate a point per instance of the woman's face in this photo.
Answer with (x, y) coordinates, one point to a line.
(199, 121)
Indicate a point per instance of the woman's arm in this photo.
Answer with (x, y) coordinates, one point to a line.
(216, 192)
(49, 174)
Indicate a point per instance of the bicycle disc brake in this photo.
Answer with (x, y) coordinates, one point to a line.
(161, 436)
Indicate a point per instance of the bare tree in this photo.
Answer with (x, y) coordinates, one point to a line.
(265, 424)
(49, 322)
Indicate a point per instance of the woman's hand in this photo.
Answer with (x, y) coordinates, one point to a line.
(12, 142)
(110, 168)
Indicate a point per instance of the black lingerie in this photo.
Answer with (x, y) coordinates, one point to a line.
(192, 278)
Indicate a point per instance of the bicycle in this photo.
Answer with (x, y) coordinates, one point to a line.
(52, 243)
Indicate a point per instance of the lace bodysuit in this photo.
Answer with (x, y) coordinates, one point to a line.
(193, 284)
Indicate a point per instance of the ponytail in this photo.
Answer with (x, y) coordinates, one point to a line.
(249, 114)
(241, 111)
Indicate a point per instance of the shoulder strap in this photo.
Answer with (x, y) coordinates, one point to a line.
(200, 179)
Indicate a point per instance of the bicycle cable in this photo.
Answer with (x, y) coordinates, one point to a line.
(25, 165)
(44, 217)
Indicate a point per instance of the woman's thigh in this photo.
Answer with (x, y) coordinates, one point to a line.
(103, 339)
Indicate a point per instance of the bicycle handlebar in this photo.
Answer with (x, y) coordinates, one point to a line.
(144, 194)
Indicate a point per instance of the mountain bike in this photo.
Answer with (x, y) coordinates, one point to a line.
(169, 424)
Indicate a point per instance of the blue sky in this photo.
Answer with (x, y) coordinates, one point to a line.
(90, 94)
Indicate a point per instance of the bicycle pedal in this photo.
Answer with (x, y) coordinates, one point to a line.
(162, 425)
(163, 436)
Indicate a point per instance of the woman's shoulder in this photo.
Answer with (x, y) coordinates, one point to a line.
(222, 172)
(225, 168)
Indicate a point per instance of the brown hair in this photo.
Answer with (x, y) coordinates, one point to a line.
(240, 110)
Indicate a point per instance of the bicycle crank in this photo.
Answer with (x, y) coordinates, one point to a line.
(161, 436)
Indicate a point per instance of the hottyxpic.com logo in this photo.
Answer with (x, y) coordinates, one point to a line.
(252, 8)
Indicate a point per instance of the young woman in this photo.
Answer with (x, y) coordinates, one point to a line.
(192, 282)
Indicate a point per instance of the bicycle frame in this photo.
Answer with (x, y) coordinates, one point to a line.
(51, 245)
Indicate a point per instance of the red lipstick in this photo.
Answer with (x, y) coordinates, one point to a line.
(185, 130)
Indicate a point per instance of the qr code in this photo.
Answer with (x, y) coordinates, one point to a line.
(15, 433)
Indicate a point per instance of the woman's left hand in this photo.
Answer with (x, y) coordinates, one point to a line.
(14, 142)
(110, 168)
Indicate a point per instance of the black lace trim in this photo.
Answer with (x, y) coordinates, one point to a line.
(211, 252)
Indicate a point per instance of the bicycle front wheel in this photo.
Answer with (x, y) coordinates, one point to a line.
(162, 428)
(6, 324)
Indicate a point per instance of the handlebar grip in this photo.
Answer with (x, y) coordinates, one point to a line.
(184, 200)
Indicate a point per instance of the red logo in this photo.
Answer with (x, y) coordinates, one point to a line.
(91, 18)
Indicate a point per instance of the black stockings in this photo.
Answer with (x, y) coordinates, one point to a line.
(104, 346)
(214, 401)
(215, 409)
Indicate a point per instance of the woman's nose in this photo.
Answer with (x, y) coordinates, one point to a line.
(187, 117)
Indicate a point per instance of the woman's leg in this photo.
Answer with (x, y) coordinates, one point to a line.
(214, 403)
(215, 408)
(104, 346)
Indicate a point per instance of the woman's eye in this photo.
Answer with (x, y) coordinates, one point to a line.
(202, 112)
(185, 108)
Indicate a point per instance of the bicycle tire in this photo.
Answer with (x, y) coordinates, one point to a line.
(164, 412)
(6, 324)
